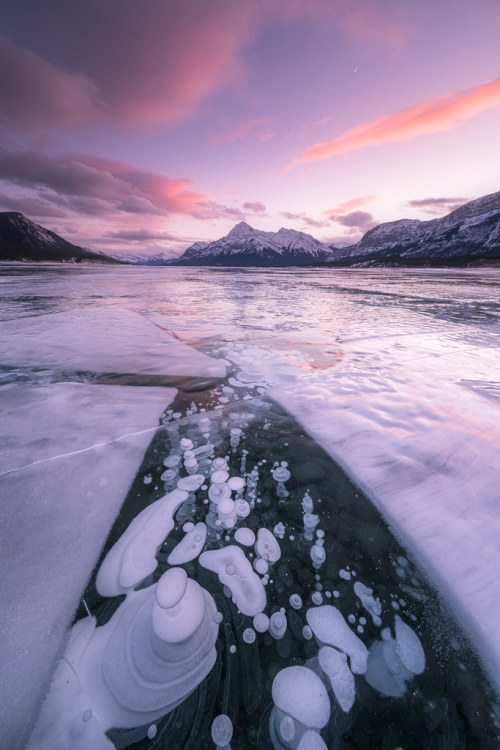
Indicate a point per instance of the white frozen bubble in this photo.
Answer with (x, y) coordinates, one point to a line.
(307, 633)
(249, 635)
(281, 474)
(408, 647)
(369, 602)
(287, 728)
(330, 628)
(243, 510)
(261, 622)
(299, 693)
(222, 730)
(235, 483)
(277, 625)
(191, 483)
(188, 526)
(296, 601)
(219, 477)
(385, 672)
(235, 572)
(311, 740)
(334, 664)
(152, 731)
(219, 464)
(218, 492)
(317, 598)
(267, 545)
(190, 547)
(133, 557)
(180, 606)
(318, 555)
(244, 536)
(279, 530)
(344, 574)
(260, 566)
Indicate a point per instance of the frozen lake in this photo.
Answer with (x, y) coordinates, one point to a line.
(378, 390)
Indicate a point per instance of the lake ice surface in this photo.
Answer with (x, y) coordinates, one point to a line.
(395, 373)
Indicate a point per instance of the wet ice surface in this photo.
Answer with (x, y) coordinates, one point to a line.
(364, 359)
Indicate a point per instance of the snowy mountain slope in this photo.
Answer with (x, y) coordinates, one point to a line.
(23, 240)
(471, 232)
(246, 246)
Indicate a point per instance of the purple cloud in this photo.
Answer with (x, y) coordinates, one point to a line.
(37, 95)
(438, 206)
(357, 220)
(256, 206)
(142, 235)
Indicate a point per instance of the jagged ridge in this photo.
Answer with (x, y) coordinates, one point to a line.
(467, 234)
(246, 246)
(23, 240)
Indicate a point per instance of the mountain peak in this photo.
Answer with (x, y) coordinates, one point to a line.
(246, 246)
(240, 229)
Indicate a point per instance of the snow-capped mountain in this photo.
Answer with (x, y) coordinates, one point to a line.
(23, 240)
(468, 234)
(246, 246)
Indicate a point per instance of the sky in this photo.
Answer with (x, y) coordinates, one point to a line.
(138, 128)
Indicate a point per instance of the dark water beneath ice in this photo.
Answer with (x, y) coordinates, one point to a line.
(450, 706)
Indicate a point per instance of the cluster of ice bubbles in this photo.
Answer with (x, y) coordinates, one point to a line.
(160, 643)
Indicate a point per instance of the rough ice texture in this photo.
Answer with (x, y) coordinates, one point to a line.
(334, 664)
(101, 340)
(189, 547)
(299, 692)
(69, 470)
(329, 626)
(423, 445)
(133, 557)
(235, 572)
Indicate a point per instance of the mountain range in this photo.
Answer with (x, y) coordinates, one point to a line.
(246, 246)
(23, 240)
(468, 235)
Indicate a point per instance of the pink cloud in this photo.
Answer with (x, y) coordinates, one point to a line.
(157, 66)
(431, 116)
(100, 186)
(150, 67)
(351, 205)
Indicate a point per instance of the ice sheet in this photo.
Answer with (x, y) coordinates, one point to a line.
(81, 446)
(107, 339)
(425, 450)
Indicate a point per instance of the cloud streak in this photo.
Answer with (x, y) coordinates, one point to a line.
(92, 186)
(360, 221)
(37, 95)
(433, 115)
(350, 205)
(437, 206)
